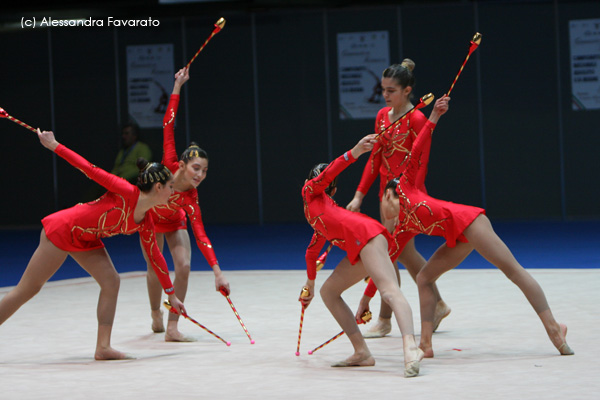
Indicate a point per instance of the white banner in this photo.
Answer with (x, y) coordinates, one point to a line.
(362, 57)
(585, 63)
(150, 71)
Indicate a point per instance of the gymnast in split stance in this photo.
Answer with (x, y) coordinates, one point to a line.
(387, 161)
(77, 231)
(365, 242)
(170, 219)
(465, 229)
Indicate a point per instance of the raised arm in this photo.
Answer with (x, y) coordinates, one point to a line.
(321, 182)
(416, 169)
(107, 180)
(169, 151)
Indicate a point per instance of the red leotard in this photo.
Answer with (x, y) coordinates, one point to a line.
(420, 213)
(389, 154)
(171, 216)
(350, 231)
(81, 227)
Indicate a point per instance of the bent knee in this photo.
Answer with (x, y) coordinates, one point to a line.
(324, 291)
(328, 293)
(423, 279)
(27, 293)
(110, 282)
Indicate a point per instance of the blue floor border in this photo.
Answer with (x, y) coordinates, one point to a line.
(539, 244)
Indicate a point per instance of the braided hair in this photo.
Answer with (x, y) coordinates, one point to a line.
(151, 173)
(193, 151)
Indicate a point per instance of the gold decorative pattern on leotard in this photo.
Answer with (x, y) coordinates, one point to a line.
(172, 118)
(172, 206)
(317, 219)
(392, 142)
(120, 226)
(312, 220)
(84, 173)
(150, 243)
(411, 221)
(191, 212)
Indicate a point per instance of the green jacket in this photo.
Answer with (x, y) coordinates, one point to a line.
(126, 162)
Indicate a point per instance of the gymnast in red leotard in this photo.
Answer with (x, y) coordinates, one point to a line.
(365, 242)
(77, 231)
(387, 160)
(465, 229)
(170, 219)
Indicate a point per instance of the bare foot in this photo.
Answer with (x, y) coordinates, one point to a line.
(441, 311)
(380, 329)
(176, 336)
(157, 321)
(356, 360)
(564, 348)
(111, 354)
(427, 351)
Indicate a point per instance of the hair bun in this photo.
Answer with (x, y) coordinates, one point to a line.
(408, 64)
(142, 163)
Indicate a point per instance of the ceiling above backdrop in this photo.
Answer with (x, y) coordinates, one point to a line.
(68, 8)
(185, 7)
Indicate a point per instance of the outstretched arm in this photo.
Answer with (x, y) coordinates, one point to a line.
(109, 181)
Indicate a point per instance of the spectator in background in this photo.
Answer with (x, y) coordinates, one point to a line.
(131, 149)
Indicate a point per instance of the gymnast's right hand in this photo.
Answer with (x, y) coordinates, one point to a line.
(177, 304)
(47, 139)
(305, 300)
(355, 203)
(363, 307)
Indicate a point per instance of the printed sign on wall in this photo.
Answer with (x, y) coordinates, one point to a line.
(362, 57)
(585, 63)
(149, 82)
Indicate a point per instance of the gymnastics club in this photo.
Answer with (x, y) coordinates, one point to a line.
(474, 44)
(4, 114)
(218, 26)
(366, 317)
(174, 311)
(423, 101)
(321, 260)
(224, 293)
(305, 293)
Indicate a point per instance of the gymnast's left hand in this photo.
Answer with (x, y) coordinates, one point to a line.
(47, 139)
(440, 108)
(222, 284)
(177, 304)
(364, 145)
